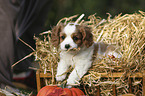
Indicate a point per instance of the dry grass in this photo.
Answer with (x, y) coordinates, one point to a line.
(127, 32)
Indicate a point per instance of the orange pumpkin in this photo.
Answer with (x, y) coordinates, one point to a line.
(58, 91)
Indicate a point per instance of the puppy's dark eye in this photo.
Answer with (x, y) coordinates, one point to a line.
(63, 37)
(75, 38)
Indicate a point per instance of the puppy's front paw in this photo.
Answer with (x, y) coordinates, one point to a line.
(70, 82)
(60, 77)
(69, 86)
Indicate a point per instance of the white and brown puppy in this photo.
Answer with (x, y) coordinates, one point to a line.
(73, 36)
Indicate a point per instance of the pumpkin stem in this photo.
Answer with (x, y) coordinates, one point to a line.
(63, 84)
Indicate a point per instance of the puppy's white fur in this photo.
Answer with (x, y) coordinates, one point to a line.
(80, 60)
(68, 30)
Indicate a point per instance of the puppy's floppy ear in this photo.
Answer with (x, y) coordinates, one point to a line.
(87, 35)
(55, 36)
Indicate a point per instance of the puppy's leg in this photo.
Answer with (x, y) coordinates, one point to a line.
(78, 73)
(112, 51)
(107, 50)
(61, 70)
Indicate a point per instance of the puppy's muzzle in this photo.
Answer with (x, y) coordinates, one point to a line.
(67, 46)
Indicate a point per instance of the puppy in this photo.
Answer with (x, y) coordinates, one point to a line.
(77, 49)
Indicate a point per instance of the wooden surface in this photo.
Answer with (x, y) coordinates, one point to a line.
(143, 88)
(120, 74)
(40, 75)
(38, 80)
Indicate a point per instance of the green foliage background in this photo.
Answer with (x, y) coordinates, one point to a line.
(66, 8)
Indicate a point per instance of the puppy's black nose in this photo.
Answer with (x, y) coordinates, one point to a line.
(67, 46)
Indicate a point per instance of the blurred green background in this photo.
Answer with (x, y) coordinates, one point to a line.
(66, 8)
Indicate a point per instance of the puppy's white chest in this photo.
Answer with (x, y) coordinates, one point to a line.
(80, 58)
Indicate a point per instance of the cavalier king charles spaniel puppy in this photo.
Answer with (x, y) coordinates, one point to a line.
(77, 50)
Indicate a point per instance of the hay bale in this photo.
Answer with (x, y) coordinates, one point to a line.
(127, 32)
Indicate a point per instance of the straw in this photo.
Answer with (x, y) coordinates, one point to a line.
(127, 32)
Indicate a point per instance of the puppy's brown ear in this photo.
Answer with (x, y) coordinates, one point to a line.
(55, 36)
(87, 35)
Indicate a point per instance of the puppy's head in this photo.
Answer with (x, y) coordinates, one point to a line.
(71, 36)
